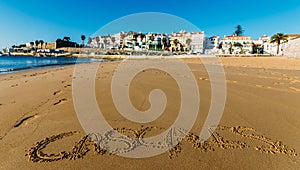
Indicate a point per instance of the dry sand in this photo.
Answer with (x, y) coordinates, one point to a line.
(260, 126)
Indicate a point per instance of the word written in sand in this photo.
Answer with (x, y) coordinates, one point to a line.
(100, 144)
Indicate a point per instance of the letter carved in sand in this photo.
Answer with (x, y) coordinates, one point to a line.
(133, 139)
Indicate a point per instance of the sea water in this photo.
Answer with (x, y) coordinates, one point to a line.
(9, 64)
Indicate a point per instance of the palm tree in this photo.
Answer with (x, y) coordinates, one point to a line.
(31, 44)
(152, 38)
(105, 42)
(240, 46)
(113, 40)
(278, 38)
(230, 48)
(176, 42)
(123, 36)
(42, 43)
(98, 41)
(83, 38)
(164, 42)
(90, 40)
(253, 48)
(36, 42)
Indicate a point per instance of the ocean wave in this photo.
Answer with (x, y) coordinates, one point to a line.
(7, 70)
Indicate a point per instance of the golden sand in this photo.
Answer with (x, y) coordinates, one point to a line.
(259, 129)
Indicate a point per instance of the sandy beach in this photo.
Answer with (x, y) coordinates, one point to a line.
(259, 128)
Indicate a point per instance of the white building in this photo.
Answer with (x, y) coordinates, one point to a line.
(228, 42)
(196, 40)
(130, 40)
(271, 48)
(197, 45)
(116, 40)
(211, 45)
(292, 48)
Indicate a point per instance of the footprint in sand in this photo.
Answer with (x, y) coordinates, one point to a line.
(203, 78)
(69, 85)
(277, 83)
(294, 81)
(15, 85)
(32, 75)
(24, 120)
(294, 88)
(60, 102)
(231, 81)
(57, 92)
(101, 78)
(262, 86)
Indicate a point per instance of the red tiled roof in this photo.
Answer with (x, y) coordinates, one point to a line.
(235, 37)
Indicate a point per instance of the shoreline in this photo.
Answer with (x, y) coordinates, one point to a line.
(40, 63)
(112, 59)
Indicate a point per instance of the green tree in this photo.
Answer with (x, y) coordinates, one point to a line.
(83, 38)
(230, 48)
(164, 42)
(152, 38)
(58, 40)
(66, 39)
(278, 39)
(31, 44)
(253, 48)
(113, 40)
(98, 41)
(36, 43)
(240, 46)
(90, 40)
(105, 42)
(42, 43)
(188, 42)
(123, 36)
(176, 42)
(239, 30)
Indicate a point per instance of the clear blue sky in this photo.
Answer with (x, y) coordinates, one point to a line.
(24, 21)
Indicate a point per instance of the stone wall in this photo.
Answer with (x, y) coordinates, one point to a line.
(293, 48)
